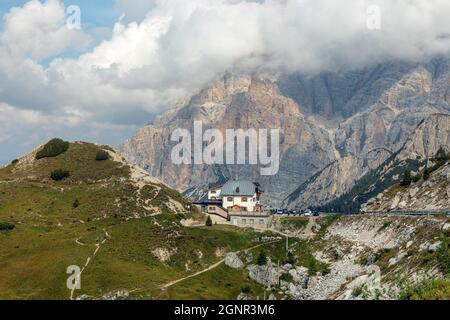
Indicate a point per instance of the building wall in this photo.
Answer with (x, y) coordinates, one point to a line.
(214, 194)
(255, 222)
(250, 204)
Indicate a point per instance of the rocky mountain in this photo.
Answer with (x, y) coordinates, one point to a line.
(240, 102)
(423, 144)
(332, 125)
(430, 193)
(371, 257)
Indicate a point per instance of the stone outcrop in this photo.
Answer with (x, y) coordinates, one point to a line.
(432, 194)
(232, 260)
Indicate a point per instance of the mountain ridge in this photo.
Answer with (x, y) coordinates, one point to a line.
(353, 120)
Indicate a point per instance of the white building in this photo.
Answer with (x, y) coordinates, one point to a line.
(214, 192)
(238, 202)
(241, 196)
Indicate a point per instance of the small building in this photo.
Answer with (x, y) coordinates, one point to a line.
(238, 202)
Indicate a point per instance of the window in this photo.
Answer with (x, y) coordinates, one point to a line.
(252, 221)
(244, 199)
(230, 199)
(213, 192)
(244, 221)
(261, 221)
(212, 208)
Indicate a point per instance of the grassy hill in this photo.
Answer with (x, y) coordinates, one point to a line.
(108, 216)
(126, 232)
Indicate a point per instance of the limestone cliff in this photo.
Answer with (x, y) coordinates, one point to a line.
(335, 128)
(432, 134)
(431, 194)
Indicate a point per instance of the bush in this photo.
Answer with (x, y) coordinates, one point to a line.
(287, 277)
(358, 291)
(443, 256)
(180, 216)
(426, 173)
(262, 258)
(246, 289)
(15, 161)
(6, 226)
(102, 155)
(438, 289)
(209, 222)
(59, 175)
(291, 259)
(53, 148)
(407, 180)
(76, 204)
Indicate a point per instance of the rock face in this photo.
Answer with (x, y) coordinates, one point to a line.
(334, 127)
(423, 144)
(335, 179)
(432, 194)
(233, 261)
(236, 102)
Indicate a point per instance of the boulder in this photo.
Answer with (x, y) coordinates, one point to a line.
(434, 247)
(264, 275)
(233, 261)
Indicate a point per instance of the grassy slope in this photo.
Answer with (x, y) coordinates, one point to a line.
(51, 235)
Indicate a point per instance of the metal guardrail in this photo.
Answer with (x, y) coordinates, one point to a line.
(413, 213)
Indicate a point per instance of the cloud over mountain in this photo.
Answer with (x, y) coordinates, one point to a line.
(161, 50)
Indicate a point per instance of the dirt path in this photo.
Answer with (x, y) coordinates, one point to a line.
(215, 265)
(90, 258)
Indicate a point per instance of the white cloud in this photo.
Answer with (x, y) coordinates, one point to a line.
(178, 45)
(38, 31)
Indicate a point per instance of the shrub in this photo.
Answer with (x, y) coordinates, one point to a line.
(209, 222)
(315, 266)
(53, 148)
(426, 173)
(407, 180)
(438, 289)
(180, 216)
(76, 204)
(358, 291)
(443, 256)
(59, 175)
(262, 258)
(287, 277)
(6, 226)
(246, 289)
(291, 258)
(102, 155)
(15, 161)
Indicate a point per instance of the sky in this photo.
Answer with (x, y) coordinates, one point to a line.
(132, 59)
